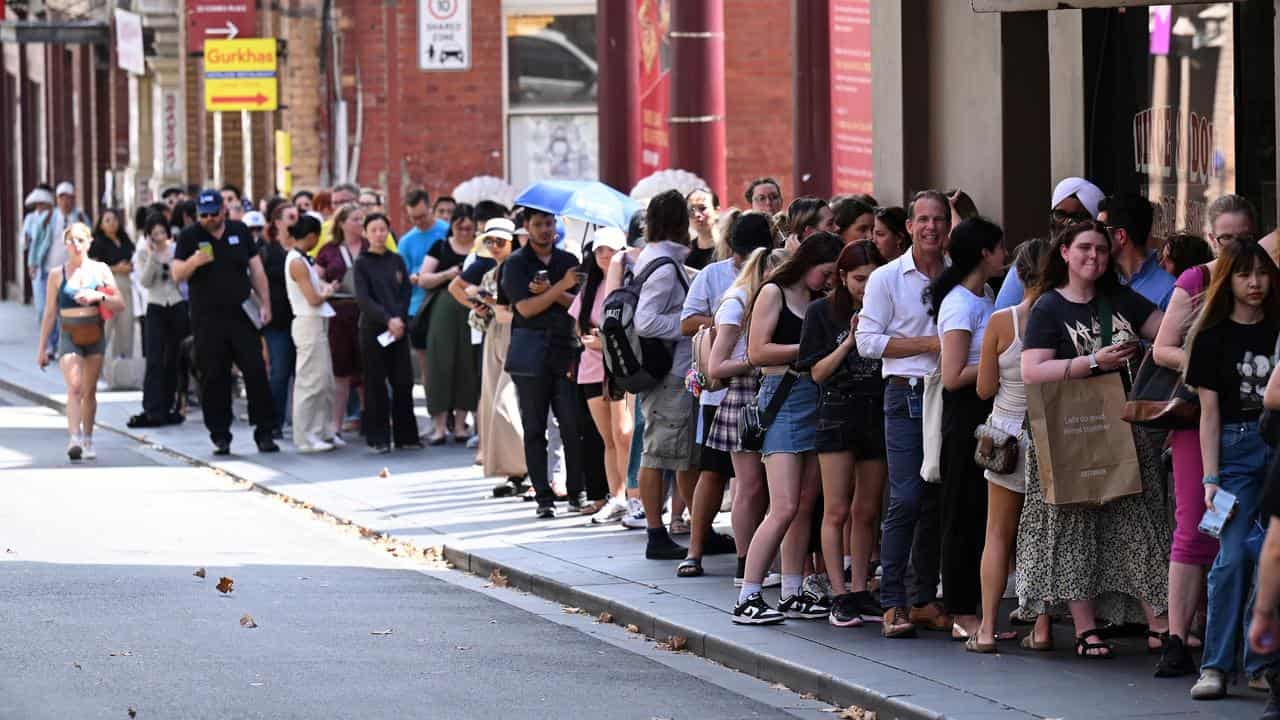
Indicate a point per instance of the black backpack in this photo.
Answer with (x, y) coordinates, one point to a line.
(635, 363)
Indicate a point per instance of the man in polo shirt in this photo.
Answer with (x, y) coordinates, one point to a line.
(413, 248)
(540, 282)
(896, 326)
(1129, 216)
(217, 259)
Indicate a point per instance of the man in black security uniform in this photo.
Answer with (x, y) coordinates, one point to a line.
(540, 280)
(216, 257)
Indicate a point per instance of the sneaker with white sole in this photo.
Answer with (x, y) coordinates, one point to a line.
(1212, 685)
(87, 446)
(74, 450)
(804, 605)
(818, 586)
(634, 519)
(315, 445)
(843, 612)
(336, 441)
(755, 611)
(613, 511)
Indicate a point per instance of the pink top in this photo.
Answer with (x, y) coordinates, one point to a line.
(1193, 280)
(591, 363)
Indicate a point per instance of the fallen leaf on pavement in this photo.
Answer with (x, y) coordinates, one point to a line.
(633, 628)
(853, 712)
(571, 610)
(497, 579)
(9, 551)
(461, 647)
(605, 618)
(199, 572)
(76, 665)
(132, 712)
(121, 653)
(679, 643)
(256, 684)
(224, 585)
(384, 473)
(388, 631)
(247, 621)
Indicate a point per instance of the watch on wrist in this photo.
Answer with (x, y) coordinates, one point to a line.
(1093, 362)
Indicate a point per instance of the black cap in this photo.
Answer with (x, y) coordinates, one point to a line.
(753, 230)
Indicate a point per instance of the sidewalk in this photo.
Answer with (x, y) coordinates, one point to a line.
(436, 497)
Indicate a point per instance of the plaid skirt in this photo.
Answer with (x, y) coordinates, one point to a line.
(724, 429)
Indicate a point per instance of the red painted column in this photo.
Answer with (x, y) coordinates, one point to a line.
(811, 124)
(697, 90)
(618, 102)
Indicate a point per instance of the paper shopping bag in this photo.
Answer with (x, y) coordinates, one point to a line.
(1085, 450)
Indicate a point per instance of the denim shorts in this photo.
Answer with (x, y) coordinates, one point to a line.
(795, 429)
(851, 423)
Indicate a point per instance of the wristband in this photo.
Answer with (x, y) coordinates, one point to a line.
(1211, 480)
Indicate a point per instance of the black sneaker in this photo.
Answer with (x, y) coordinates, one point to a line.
(222, 447)
(545, 512)
(1176, 660)
(143, 420)
(866, 606)
(1272, 710)
(755, 611)
(719, 544)
(579, 501)
(670, 550)
(804, 606)
(267, 445)
(843, 613)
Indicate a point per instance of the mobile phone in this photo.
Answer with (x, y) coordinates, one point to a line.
(484, 293)
(1224, 506)
(542, 276)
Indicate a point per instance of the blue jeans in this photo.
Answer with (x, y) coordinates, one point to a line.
(281, 352)
(1242, 470)
(912, 527)
(39, 290)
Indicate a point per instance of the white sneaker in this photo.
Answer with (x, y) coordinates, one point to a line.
(74, 450)
(336, 441)
(473, 442)
(613, 511)
(315, 445)
(87, 451)
(634, 519)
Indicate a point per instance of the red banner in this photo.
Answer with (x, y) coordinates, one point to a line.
(852, 169)
(655, 80)
(219, 20)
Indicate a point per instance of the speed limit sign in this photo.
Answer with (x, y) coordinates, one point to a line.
(444, 34)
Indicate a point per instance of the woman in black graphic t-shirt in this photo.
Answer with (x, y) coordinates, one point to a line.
(1232, 356)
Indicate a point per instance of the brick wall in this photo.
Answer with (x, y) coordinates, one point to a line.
(758, 94)
(302, 92)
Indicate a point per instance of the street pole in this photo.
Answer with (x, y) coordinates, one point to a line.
(217, 148)
(697, 90)
(246, 142)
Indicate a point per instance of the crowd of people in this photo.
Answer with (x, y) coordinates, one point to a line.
(854, 382)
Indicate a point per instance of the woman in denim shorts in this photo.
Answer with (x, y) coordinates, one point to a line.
(850, 437)
(790, 441)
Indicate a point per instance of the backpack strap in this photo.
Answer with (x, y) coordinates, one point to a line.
(658, 264)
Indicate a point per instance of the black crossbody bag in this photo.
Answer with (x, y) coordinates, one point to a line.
(753, 424)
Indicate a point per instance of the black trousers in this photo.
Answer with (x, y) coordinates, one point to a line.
(553, 392)
(964, 501)
(224, 338)
(593, 472)
(162, 338)
(386, 418)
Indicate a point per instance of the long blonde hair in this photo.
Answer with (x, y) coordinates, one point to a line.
(758, 265)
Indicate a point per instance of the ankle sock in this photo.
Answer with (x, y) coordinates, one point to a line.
(848, 561)
(742, 567)
(791, 584)
(748, 589)
(659, 536)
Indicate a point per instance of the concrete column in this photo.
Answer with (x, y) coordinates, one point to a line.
(811, 124)
(900, 56)
(618, 54)
(697, 90)
(1066, 101)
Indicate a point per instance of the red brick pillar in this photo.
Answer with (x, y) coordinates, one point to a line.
(810, 65)
(697, 90)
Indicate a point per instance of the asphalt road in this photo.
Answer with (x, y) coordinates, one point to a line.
(101, 614)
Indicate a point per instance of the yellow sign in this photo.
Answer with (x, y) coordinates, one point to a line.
(240, 74)
(284, 163)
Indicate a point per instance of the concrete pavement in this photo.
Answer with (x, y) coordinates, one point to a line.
(437, 498)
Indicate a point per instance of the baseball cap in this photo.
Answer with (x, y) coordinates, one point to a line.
(210, 201)
(255, 219)
(610, 237)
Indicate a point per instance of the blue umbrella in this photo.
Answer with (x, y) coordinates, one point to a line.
(589, 201)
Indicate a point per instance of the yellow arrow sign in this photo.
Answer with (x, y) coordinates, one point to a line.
(240, 74)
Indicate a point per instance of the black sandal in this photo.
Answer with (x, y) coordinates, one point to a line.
(689, 568)
(1084, 647)
(1162, 637)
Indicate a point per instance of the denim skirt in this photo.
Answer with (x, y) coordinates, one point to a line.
(795, 429)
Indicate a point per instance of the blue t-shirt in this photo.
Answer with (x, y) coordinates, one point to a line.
(413, 247)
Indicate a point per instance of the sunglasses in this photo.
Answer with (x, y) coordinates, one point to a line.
(209, 215)
(494, 242)
(1062, 216)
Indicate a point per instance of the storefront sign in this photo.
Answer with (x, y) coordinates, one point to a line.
(655, 87)
(852, 168)
(170, 148)
(218, 20)
(444, 34)
(129, 42)
(1024, 5)
(240, 74)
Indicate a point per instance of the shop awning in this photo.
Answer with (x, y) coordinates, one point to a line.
(1026, 5)
(70, 32)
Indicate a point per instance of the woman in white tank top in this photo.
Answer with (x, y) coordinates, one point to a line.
(1000, 376)
(313, 373)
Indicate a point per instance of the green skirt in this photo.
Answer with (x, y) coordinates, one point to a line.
(453, 375)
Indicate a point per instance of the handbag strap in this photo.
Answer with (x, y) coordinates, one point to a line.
(1104, 318)
(779, 397)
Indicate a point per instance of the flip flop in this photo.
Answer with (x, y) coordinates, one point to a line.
(689, 568)
(1028, 642)
(973, 646)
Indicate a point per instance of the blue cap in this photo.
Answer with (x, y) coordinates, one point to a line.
(210, 201)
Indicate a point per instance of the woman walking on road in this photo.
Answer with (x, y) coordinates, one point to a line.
(78, 292)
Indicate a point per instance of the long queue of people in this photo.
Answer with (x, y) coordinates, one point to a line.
(865, 380)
